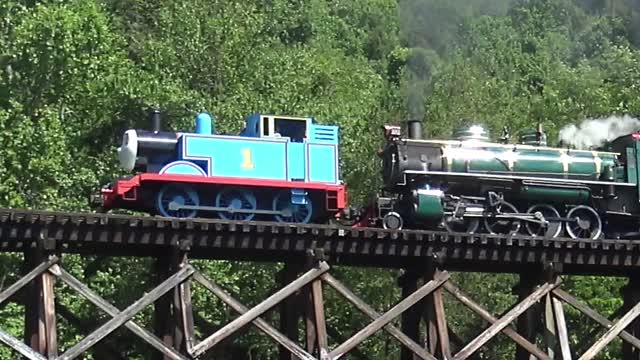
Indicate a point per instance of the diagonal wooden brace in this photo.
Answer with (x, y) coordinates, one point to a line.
(94, 298)
(487, 316)
(497, 326)
(370, 312)
(611, 334)
(569, 299)
(8, 292)
(261, 324)
(258, 310)
(128, 313)
(561, 326)
(387, 317)
(19, 346)
(6, 338)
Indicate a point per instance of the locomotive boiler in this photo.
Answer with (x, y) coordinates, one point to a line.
(472, 184)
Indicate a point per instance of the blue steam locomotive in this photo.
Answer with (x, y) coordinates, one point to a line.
(281, 168)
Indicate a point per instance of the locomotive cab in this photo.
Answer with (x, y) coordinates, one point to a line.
(627, 147)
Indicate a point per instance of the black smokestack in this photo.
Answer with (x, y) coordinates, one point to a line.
(156, 121)
(414, 128)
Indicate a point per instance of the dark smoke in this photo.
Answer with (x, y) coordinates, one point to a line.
(420, 65)
(429, 28)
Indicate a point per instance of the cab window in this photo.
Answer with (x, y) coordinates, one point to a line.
(265, 126)
(296, 130)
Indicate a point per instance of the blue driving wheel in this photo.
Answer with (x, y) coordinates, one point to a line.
(177, 194)
(236, 199)
(293, 213)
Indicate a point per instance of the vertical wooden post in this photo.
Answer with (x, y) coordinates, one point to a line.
(31, 310)
(631, 296)
(163, 319)
(39, 306)
(289, 313)
(429, 315)
(410, 319)
(441, 324)
(184, 336)
(316, 327)
(550, 333)
(315, 321)
(173, 315)
(48, 307)
(309, 320)
(526, 321)
(437, 335)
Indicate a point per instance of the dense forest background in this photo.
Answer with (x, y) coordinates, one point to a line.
(75, 74)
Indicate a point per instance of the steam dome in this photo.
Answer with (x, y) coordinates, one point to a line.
(472, 132)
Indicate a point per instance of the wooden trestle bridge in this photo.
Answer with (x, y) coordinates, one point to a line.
(309, 252)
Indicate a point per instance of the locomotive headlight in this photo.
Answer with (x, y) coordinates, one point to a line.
(128, 152)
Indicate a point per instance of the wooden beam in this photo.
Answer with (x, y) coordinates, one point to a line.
(19, 346)
(387, 317)
(550, 334)
(611, 334)
(371, 313)
(631, 296)
(569, 299)
(561, 327)
(258, 310)
(49, 314)
(27, 278)
(259, 323)
(496, 327)
(39, 314)
(288, 309)
(410, 319)
(526, 322)
(487, 316)
(163, 317)
(185, 312)
(104, 348)
(184, 332)
(320, 322)
(431, 328)
(124, 316)
(338, 337)
(311, 337)
(441, 322)
(111, 310)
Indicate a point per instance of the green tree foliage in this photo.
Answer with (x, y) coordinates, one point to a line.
(75, 74)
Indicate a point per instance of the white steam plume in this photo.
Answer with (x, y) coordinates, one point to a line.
(595, 132)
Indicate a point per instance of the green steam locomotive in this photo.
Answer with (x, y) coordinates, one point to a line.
(470, 184)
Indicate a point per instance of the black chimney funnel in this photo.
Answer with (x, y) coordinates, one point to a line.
(415, 129)
(156, 120)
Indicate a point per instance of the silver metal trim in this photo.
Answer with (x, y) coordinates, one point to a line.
(491, 176)
(477, 143)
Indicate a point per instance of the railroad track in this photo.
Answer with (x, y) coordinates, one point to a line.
(113, 234)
